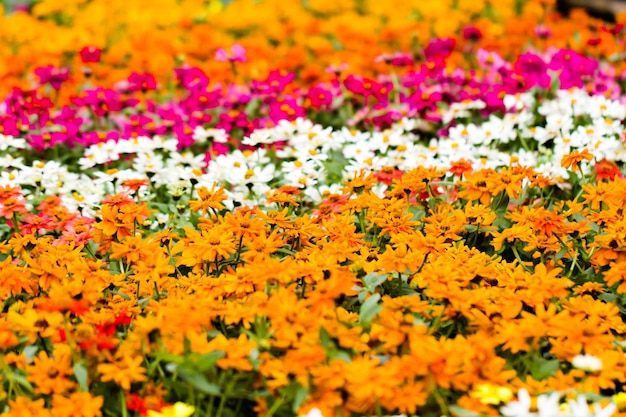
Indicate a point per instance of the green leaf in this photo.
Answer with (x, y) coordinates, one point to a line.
(326, 340)
(121, 294)
(607, 297)
(80, 373)
(207, 361)
(500, 201)
(373, 280)
(369, 308)
(560, 254)
(169, 357)
(340, 354)
(543, 368)
(30, 352)
(20, 379)
(199, 382)
(299, 397)
(457, 411)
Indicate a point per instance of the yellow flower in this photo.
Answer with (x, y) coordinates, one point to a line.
(491, 394)
(620, 399)
(177, 410)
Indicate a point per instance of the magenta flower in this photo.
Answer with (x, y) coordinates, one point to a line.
(533, 70)
(141, 82)
(439, 48)
(574, 68)
(142, 125)
(237, 54)
(90, 54)
(52, 75)
(320, 97)
(397, 59)
(472, 33)
(285, 109)
(46, 140)
(192, 78)
(274, 84)
(9, 125)
(100, 101)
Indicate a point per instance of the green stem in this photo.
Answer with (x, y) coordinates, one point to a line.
(275, 406)
(238, 257)
(220, 408)
(423, 263)
(519, 259)
(16, 227)
(123, 404)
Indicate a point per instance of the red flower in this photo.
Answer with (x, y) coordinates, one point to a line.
(387, 174)
(607, 170)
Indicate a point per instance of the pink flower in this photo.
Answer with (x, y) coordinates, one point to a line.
(490, 59)
(90, 54)
(52, 75)
(237, 54)
(533, 69)
(439, 48)
(397, 59)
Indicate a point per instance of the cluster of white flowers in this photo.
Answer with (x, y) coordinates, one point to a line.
(317, 159)
(549, 405)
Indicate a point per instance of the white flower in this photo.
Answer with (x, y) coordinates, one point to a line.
(547, 405)
(607, 411)
(518, 101)
(314, 412)
(11, 142)
(358, 152)
(186, 159)
(580, 408)
(587, 363)
(100, 153)
(201, 135)
(519, 407)
(260, 136)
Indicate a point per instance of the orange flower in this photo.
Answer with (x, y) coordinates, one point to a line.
(261, 246)
(26, 407)
(124, 371)
(209, 199)
(573, 159)
(78, 404)
(111, 224)
(210, 246)
(476, 187)
(11, 202)
(243, 223)
(51, 375)
(360, 182)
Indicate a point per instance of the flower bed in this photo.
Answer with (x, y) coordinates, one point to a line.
(385, 212)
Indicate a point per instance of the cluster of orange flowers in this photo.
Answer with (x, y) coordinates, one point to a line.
(305, 37)
(413, 302)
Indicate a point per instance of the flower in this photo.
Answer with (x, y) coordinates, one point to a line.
(491, 394)
(90, 54)
(587, 363)
(52, 75)
(313, 412)
(547, 405)
(178, 409)
(124, 371)
(237, 54)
